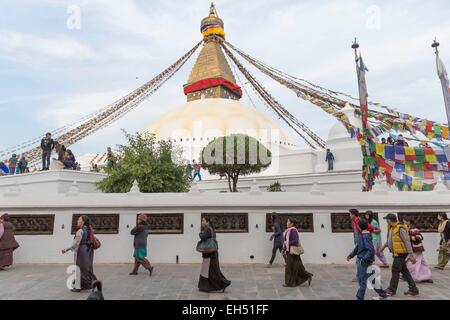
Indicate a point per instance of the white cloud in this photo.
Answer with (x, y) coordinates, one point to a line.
(29, 46)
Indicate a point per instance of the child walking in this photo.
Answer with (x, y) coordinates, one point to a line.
(365, 252)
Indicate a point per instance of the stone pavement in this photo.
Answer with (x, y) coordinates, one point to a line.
(171, 281)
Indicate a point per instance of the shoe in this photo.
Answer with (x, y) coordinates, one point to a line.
(223, 290)
(380, 298)
(75, 290)
(150, 271)
(427, 281)
(384, 266)
(133, 273)
(390, 292)
(309, 281)
(411, 293)
(439, 268)
(285, 285)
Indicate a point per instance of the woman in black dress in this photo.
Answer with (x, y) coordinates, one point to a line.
(84, 253)
(211, 278)
(295, 272)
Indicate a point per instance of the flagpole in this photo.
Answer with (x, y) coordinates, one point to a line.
(444, 79)
(368, 169)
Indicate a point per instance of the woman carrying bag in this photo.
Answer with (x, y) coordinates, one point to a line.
(295, 272)
(8, 242)
(211, 278)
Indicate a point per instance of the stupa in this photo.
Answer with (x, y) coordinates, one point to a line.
(213, 108)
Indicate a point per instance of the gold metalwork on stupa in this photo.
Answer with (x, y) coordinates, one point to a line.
(211, 65)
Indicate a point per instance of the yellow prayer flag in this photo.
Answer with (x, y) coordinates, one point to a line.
(431, 158)
(380, 149)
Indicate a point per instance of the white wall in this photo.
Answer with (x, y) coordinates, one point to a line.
(234, 248)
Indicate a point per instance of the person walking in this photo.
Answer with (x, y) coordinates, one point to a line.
(277, 238)
(47, 145)
(12, 164)
(330, 159)
(23, 164)
(140, 233)
(444, 249)
(8, 242)
(211, 277)
(399, 244)
(83, 250)
(295, 272)
(111, 159)
(420, 271)
(189, 168)
(197, 168)
(365, 251)
(376, 238)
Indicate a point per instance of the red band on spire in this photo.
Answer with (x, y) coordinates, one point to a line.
(212, 82)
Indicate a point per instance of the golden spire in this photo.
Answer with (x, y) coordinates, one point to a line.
(211, 75)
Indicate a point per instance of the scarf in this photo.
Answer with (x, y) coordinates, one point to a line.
(442, 225)
(287, 236)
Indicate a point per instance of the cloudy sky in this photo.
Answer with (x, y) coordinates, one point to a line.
(52, 72)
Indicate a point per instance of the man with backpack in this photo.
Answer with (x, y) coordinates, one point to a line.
(399, 243)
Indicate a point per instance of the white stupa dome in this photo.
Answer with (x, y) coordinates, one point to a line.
(196, 123)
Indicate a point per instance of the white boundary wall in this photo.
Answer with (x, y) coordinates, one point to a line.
(235, 247)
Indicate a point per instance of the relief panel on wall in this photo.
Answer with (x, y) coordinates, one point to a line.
(229, 222)
(426, 222)
(165, 223)
(305, 222)
(102, 223)
(341, 222)
(37, 224)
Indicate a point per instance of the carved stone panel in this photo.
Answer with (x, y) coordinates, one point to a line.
(165, 223)
(305, 222)
(341, 222)
(229, 222)
(37, 224)
(102, 223)
(425, 221)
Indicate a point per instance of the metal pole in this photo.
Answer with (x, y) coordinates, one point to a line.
(444, 79)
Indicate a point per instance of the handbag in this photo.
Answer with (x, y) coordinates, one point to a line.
(209, 245)
(94, 240)
(296, 250)
(96, 243)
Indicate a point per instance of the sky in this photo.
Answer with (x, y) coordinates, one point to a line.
(63, 59)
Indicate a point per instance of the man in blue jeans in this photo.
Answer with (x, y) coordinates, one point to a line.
(365, 252)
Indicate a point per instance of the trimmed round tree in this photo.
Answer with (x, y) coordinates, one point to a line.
(235, 155)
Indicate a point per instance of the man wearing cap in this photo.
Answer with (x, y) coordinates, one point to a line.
(399, 244)
(140, 233)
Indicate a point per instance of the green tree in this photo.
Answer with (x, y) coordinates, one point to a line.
(235, 155)
(275, 187)
(154, 165)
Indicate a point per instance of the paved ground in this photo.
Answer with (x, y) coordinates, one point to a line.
(180, 282)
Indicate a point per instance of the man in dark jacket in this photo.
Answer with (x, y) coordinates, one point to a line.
(277, 238)
(47, 145)
(365, 252)
(140, 233)
(330, 159)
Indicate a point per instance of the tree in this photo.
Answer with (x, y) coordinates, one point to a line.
(154, 165)
(275, 187)
(235, 155)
